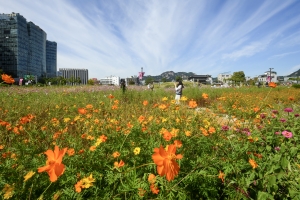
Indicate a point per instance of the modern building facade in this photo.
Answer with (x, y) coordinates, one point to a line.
(268, 76)
(111, 80)
(37, 50)
(74, 76)
(51, 59)
(22, 47)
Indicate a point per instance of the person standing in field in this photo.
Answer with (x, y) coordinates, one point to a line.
(178, 89)
(123, 85)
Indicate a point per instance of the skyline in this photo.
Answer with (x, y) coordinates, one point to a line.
(205, 37)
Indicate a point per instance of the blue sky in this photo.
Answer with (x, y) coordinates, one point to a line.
(118, 37)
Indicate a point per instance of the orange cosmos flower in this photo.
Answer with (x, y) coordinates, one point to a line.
(120, 164)
(89, 106)
(162, 106)
(82, 111)
(178, 143)
(291, 98)
(145, 103)
(114, 107)
(167, 135)
(253, 163)
(78, 186)
(111, 96)
(129, 125)
(166, 161)
(103, 138)
(116, 154)
(71, 152)
(204, 131)
(141, 118)
(205, 96)
(221, 176)
(92, 148)
(211, 130)
(192, 104)
(256, 109)
(54, 166)
(7, 79)
(154, 189)
(272, 84)
(151, 178)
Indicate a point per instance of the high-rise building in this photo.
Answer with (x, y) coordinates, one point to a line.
(37, 49)
(22, 47)
(74, 76)
(51, 58)
(14, 44)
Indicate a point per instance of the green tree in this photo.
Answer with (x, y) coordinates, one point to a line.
(149, 80)
(238, 77)
(164, 80)
(91, 82)
(178, 78)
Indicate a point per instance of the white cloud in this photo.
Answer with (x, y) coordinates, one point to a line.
(119, 37)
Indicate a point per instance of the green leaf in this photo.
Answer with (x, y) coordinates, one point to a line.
(293, 151)
(272, 180)
(284, 162)
(264, 196)
(268, 148)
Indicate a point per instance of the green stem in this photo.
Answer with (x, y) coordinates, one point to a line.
(45, 191)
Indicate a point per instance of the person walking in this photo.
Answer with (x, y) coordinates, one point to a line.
(178, 90)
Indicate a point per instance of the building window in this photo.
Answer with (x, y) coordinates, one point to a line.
(6, 31)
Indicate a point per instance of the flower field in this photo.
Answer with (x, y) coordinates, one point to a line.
(96, 142)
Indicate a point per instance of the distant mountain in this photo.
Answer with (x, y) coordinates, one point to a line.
(170, 75)
(296, 73)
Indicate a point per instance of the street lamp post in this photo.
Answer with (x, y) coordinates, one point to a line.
(271, 74)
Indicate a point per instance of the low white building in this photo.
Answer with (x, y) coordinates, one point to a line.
(111, 80)
(223, 77)
(266, 77)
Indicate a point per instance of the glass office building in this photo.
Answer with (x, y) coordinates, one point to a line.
(51, 58)
(37, 50)
(14, 44)
(22, 47)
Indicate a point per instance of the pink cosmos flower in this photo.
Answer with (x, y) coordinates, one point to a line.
(288, 110)
(283, 120)
(277, 133)
(277, 148)
(274, 111)
(225, 128)
(297, 115)
(287, 134)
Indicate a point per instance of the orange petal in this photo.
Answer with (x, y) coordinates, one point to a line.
(61, 155)
(172, 149)
(52, 175)
(56, 152)
(50, 154)
(59, 169)
(162, 152)
(179, 156)
(44, 168)
(158, 160)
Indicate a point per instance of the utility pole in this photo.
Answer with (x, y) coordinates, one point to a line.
(270, 74)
